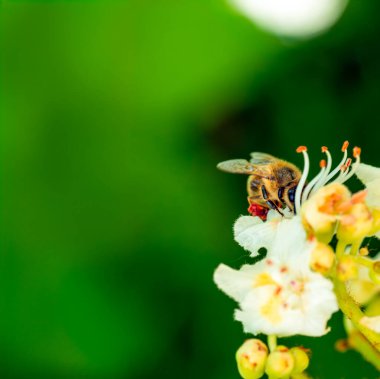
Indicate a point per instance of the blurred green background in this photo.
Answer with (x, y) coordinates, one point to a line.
(113, 215)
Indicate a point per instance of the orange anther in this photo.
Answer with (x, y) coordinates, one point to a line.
(357, 151)
(348, 162)
(301, 149)
(345, 145)
(324, 149)
(322, 163)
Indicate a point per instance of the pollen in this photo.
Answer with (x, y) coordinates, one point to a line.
(301, 149)
(322, 163)
(357, 152)
(324, 149)
(345, 146)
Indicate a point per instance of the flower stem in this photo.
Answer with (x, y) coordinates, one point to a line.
(349, 307)
(364, 261)
(340, 248)
(355, 247)
(361, 344)
(272, 342)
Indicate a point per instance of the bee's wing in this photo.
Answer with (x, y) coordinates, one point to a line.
(237, 166)
(262, 158)
(242, 166)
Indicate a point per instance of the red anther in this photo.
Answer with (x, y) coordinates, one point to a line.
(357, 151)
(345, 145)
(322, 163)
(301, 149)
(348, 163)
(324, 149)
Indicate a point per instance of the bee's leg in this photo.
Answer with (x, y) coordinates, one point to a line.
(280, 194)
(264, 192)
(270, 203)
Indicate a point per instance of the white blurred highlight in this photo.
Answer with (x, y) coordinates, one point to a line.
(293, 18)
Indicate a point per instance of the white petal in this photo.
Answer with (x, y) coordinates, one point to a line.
(290, 240)
(234, 283)
(372, 323)
(252, 233)
(373, 196)
(367, 173)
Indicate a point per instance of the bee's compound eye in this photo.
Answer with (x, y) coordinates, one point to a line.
(292, 194)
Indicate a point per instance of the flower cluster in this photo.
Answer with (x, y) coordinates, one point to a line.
(307, 273)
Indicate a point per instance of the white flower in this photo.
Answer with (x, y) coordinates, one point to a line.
(252, 233)
(295, 18)
(280, 294)
(370, 176)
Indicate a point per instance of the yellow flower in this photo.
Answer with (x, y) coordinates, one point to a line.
(355, 224)
(321, 212)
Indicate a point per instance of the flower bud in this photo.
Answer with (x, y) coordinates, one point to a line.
(301, 360)
(347, 268)
(374, 272)
(322, 258)
(251, 358)
(280, 363)
(320, 213)
(355, 224)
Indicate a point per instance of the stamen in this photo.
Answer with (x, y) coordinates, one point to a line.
(342, 162)
(357, 151)
(301, 149)
(345, 146)
(355, 166)
(301, 183)
(309, 187)
(322, 178)
(343, 171)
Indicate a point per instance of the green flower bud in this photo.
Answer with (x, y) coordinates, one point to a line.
(280, 363)
(301, 360)
(251, 358)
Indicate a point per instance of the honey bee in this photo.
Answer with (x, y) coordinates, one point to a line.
(272, 182)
